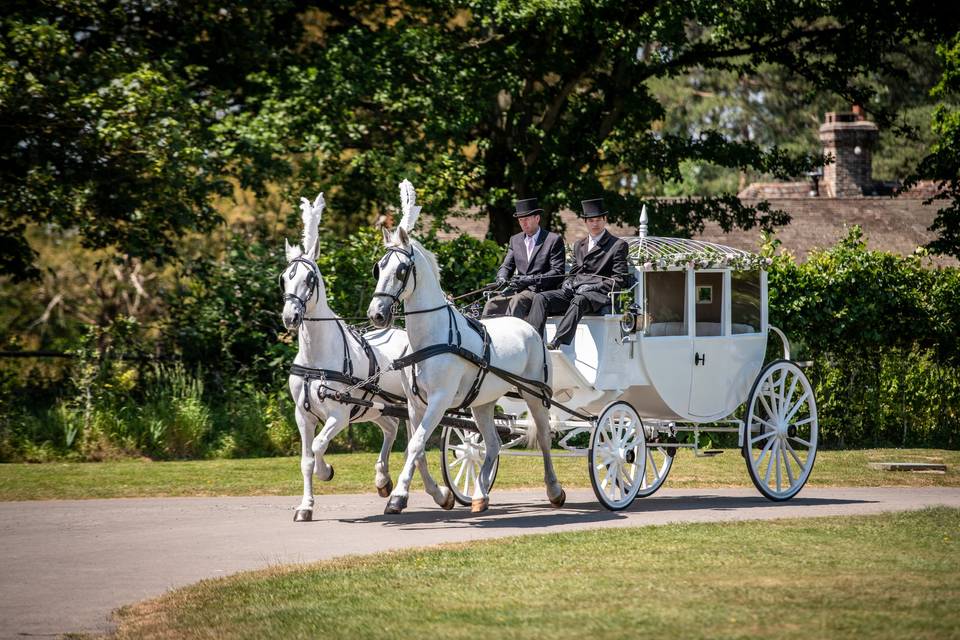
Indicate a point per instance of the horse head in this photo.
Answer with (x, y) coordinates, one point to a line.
(396, 275)
(300, 281)
(396, 271)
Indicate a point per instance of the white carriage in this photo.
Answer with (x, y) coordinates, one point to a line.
(678, 361)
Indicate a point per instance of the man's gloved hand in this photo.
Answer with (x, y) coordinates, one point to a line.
(568, 286)
(525, 282)
(500, 281)
(587, 288)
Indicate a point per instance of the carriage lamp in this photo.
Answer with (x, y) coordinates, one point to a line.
(629, 320)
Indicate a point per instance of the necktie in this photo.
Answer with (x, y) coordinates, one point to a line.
(529, 241)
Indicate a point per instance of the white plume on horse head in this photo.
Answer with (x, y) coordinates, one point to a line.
(311, 213)
(408, 204)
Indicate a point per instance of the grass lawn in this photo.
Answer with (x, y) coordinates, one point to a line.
(354, 474)
(889, 576)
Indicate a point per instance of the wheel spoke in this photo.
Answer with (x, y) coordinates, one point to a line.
(777, 456)
(766, 477)
(764, 422)
(801, 441)
(797, 406)
(795, 456)
(786, 462)
(763, 400)
(763, 453)
(762, 436)
(789, 397)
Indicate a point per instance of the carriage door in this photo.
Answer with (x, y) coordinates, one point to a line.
(711, 343)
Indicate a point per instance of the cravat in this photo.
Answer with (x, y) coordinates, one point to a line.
(529, 242)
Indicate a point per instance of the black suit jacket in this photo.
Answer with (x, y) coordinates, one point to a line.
(545, 261)
(608, 259)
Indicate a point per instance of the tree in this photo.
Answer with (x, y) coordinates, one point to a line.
(111, 116)
(942, 164)
(488, 101)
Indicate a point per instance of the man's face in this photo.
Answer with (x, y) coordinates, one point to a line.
(529, 224)
(595, 225)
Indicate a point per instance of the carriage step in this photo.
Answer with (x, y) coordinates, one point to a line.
(709, 453)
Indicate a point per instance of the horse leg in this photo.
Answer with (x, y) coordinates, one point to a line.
(306, 423)
(337, 419)
(382, 469)
(483, 416)
(441, 495)
(541, 420)
(436, 406)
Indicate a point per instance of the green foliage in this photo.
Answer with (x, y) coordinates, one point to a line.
(881, 332)
(111, 112)
(942, 165)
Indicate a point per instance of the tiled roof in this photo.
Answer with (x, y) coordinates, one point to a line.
(898, 225)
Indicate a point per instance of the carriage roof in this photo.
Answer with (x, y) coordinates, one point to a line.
(652, 253)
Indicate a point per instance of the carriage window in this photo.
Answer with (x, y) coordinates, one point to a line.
(709, 307)
(745, 301)
(665, 303)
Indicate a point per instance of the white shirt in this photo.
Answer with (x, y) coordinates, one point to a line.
(531, 242)
(592, 242)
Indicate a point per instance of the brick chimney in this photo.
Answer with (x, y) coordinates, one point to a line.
(849, 139)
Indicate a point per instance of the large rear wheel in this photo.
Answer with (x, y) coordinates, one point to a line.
(617, 456)
(780, 444)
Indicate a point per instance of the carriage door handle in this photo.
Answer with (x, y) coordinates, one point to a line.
(699, 358)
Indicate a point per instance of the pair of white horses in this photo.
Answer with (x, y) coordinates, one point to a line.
(408, 274)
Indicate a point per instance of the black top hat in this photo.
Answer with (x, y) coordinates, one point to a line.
(593, 208)
(526, 208)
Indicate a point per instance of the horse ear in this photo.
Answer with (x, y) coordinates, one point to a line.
(386, 236)
(292, 252)
(404, 238)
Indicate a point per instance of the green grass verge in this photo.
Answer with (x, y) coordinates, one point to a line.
(890, 576)
(354, 474)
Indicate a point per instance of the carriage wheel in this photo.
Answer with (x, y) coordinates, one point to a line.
(618, 456)
(780, 444)
(659, 463)
(461, 459)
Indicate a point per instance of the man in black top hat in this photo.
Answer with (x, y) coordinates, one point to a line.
(601, 267)
(534, 262)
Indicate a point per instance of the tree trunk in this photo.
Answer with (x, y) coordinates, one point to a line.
(502, 223)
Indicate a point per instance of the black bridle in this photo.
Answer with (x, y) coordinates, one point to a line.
(312, 282)
(402, 273)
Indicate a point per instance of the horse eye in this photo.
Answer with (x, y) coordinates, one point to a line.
(376, 271)
(401, 271)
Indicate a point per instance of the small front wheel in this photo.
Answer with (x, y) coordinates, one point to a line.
(461, 460)
(780, 443)
(617, 456)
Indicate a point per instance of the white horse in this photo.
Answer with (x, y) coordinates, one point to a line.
(328, 354)
(408, 273)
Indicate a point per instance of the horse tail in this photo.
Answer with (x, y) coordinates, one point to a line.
(543, 368)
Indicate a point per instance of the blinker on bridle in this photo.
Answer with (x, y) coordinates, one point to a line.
(402, 273)
(312, 281)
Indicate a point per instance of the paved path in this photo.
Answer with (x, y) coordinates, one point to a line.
(65, 565)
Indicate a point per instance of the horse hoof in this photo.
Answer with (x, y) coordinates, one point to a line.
(560, 500)
(479, 506)
(331, 474)
(386, 489)
(449, 502)
(396, 504)
(303, 515)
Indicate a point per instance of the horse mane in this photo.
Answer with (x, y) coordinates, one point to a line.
(431, 259)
